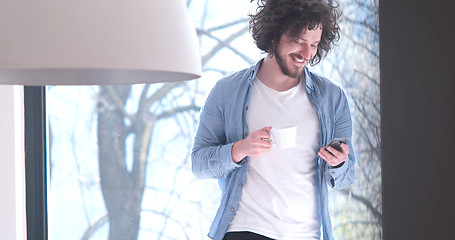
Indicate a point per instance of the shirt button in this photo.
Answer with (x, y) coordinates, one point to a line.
(240, 184)
(244, 134)
(232, 209)
(246, 107)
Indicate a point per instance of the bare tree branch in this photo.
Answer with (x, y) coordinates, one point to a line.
(177, 110)
(222, 72)
(160, 93)
(167, 216)
(118, 103)
(94, 227)
(230, 24)
(363, 23)
(366, 202)
(223, 44)
(372, 80)
(143, 98)
(362, 45)
(356, 223)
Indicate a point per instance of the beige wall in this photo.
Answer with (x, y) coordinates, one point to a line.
(12, 200)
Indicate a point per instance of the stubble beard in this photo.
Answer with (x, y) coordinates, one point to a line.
(280, 59)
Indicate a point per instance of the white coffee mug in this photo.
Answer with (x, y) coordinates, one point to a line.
(284, 137)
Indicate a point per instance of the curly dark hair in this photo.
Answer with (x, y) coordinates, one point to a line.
(276, 17)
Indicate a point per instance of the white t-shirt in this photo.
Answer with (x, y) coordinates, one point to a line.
(280, 198)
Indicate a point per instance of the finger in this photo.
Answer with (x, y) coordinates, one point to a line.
(339, 157)
(321, 155)
(260, 150)
(257, 135)
(261, 140)
(329, 157)
(267, 129)
(267, 147)
(263, 133)
(335, 152)
(268, 140)
(266, 143)
(324, 154)
(345, 148)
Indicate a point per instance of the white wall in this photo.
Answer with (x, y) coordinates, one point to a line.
(12, 198)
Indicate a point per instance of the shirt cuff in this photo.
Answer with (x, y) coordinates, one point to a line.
(336, 172)
(228, 163)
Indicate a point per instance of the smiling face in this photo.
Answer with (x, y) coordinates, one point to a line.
(293, 53)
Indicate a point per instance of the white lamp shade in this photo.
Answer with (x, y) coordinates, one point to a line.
(102, 42)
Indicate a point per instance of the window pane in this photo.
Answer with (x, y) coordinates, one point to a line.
(124, 151)
(131, 163)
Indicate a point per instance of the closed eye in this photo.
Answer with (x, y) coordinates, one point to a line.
(303, 41)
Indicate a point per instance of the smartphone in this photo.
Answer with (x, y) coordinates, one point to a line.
(335, 143)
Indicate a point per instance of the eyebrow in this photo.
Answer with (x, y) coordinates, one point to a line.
(307, 40)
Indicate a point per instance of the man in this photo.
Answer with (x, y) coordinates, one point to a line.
(268, 192)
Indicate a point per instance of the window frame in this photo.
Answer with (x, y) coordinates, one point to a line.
(35, 162)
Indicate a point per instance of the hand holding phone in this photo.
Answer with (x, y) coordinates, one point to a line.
(335, 159)
(335, 143)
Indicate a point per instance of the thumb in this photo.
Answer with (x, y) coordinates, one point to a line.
(267, 129)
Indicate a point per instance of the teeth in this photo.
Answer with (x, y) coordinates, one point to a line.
(299, 60)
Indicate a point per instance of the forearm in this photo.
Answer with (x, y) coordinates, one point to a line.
(237, 153)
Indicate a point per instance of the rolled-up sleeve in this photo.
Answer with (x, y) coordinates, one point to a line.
(344, 175)
(211, 154)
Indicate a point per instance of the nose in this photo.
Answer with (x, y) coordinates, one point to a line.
(306, 52)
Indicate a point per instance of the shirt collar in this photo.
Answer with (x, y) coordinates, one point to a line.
(255, 71)
(308, 80)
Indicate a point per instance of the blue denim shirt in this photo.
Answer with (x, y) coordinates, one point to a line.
(223, 122)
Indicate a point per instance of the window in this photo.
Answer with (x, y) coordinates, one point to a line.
(119, 155)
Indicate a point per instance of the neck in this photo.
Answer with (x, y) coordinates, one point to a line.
(270, 74)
